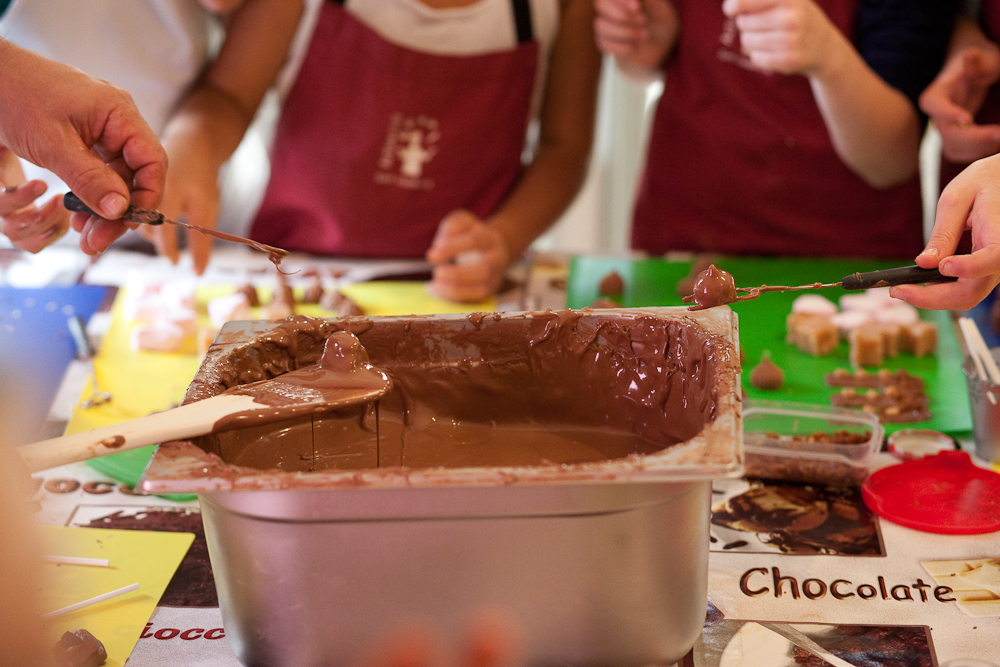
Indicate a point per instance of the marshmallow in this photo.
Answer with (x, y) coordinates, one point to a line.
(224, 309)
(158, 337)
(814, 303)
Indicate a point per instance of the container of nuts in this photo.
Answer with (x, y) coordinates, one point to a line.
(814, 444)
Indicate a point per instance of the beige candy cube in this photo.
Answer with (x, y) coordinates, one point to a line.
(812, 333)
(867, 346)
(920, 338)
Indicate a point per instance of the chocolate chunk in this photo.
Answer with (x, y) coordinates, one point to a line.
(612, 285)
(767, 375)
(313, 293)
(340, 303)
(253, 299)
(79, 649)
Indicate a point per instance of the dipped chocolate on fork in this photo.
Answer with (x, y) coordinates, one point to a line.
(147, 216)
(715, 287)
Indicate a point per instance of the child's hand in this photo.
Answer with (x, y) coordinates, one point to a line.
(639, 33)
(956, 95)
(191, 193)
(970, 201)
(470, 258)
(28, 226)
(786, 36)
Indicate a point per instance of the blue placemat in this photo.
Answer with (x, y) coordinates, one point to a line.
(36, 348)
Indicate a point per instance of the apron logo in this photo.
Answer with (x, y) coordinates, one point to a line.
(410, 143)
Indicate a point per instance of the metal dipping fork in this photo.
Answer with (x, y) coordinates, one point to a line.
(85, 352)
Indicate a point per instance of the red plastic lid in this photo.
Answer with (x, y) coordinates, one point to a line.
(945, 493)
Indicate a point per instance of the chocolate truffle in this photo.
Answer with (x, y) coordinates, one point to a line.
(340, 303)
(253, 299)
(767, 376)
(612, 285)
(79, 649)
(714, 287)
(313, 292)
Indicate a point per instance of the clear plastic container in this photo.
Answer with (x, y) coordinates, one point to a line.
(809, 443)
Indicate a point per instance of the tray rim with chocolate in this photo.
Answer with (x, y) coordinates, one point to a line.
(715, 451)
(653, 282)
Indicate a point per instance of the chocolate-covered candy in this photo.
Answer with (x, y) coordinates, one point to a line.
(767, 376)
(79, 649)
(714, 287)
(612, 285)
(253, 299)
(340, 303)
(313, 292)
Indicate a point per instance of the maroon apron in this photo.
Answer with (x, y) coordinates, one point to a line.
(740, 160)
(378, 142)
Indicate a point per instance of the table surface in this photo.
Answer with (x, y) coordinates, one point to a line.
(849, 578)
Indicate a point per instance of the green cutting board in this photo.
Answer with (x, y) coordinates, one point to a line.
(653, 282)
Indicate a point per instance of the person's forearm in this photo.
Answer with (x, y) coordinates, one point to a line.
(211, 117)
(546, 188)
(553, 178)
(222, 105)
(874, 128)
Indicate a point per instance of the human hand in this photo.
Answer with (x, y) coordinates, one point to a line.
(638, 33)
(970, 201)
(956, 95)
(28, 226)
(786, 36)
(470, 258)
(88, 132)
(191, 193)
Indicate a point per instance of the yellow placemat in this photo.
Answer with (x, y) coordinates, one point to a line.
(145, 382)
(149, 558)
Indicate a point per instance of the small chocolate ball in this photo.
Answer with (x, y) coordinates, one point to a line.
(612, 285)
(714, 287)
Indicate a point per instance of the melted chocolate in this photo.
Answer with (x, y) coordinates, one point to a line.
(273, 254)
(543, 389)
(79, 649)
(342, 373)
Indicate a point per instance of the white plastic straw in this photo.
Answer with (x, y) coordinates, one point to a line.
(94, 600)
(963, 324)
(992, 370)
(981, 355)
(76, 560)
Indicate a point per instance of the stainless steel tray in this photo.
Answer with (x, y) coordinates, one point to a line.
(596, 563)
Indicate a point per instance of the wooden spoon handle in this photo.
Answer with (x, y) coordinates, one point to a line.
(186, 421)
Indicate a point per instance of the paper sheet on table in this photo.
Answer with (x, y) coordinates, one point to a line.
(149, 558)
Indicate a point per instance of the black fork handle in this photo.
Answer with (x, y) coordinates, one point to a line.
(74, 203)
(903, 275)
